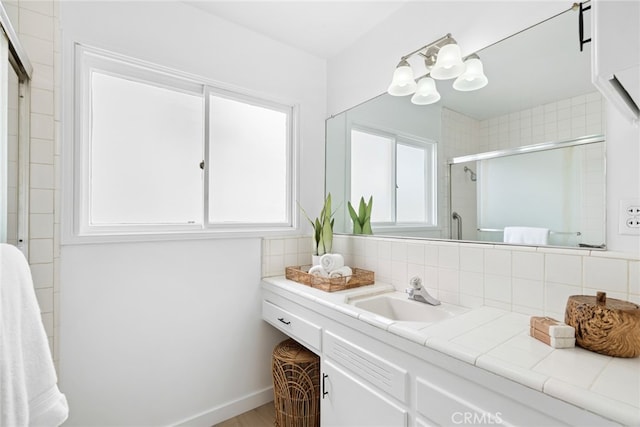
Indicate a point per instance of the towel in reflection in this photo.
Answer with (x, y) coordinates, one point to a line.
(526, 235)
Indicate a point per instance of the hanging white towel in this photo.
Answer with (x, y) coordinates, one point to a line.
(526, 235)
(29, 395)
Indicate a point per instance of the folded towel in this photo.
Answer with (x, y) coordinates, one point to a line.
(331, 262)
(29, 395)
(343, 271)
(526, 235)
(318, 270)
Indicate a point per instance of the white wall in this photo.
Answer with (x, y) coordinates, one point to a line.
(364, 71)
(159, 333)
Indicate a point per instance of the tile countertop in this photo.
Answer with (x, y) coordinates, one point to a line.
(498, 341)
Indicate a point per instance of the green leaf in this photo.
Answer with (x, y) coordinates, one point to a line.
(327, 236)
(369, 208)
(318, 230)
(362, 210)
(366, 228)
(357, 228)
(321, 250)
(306, 216)
(327, 208)
(352, 213)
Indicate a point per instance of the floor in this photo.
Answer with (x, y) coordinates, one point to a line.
(262, 416)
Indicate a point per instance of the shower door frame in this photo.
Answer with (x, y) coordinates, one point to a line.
(13, 55)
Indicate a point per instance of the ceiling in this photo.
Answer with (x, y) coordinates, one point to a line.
(321, 28)
(535, 67)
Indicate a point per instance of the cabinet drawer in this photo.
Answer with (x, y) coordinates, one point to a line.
(296, 327)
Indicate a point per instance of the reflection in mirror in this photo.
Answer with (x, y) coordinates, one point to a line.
(508, 188)
(10, 229)
(539, 92)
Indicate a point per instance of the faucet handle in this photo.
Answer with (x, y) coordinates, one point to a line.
(415, 282)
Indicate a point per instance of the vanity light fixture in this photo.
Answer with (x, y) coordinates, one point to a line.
(403, 82)
(443, 61)
(473, 77)
(449, 63)
(426, 93)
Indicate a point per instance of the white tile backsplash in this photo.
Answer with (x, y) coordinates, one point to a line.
(471, 259)
(528, 293)
(528, 265)
(497, 262)
(449, 256)
(606, 274)
(555, 298)
(565, 269)
(472, 283)
(415, 253)
(526, 280)
(634, 277)
(497, 288)
(399, 251)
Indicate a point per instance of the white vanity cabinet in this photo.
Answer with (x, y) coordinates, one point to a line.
(371, 377)
(348, 401)
(359, 387)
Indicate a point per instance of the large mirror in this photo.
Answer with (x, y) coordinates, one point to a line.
(463, 167)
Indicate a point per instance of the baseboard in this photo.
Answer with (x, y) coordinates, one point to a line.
(228, 410)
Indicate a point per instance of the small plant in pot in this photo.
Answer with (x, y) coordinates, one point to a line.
(322, 228)
(361, 219)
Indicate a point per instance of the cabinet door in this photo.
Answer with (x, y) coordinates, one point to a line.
(346, 401)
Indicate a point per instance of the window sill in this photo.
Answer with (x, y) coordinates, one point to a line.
(157, 236)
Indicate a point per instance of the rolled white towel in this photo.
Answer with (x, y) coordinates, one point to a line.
(343, 271)
(318, 270)
(331, 262)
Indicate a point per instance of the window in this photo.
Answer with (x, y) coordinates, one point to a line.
(399, 172)
(161, 153)
(247, 157)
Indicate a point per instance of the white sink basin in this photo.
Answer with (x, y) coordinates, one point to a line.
(397, 306)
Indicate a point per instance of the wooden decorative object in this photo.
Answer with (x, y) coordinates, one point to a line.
(359, 277)
(607, 326)
(296, 385)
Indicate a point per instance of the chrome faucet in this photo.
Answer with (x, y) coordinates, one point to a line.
(417, 292)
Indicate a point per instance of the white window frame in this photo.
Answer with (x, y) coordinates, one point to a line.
(79, 230)
(431, 201)
(289, 111)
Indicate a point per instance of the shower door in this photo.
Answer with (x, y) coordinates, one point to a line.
(15, 71)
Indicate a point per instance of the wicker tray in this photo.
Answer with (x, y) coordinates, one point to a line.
(359, 277)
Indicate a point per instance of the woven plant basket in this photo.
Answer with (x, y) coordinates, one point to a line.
(301, 274)
(296, 385)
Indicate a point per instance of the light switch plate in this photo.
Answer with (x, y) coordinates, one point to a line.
(629, 217)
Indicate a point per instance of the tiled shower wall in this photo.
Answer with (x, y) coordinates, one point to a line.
(523, 279)
(36, 23)
(570, 118)
(557, 121)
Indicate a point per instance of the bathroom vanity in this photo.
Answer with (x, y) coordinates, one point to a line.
(467, 366)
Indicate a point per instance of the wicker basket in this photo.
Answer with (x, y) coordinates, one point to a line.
(301, 274)
(296, 385)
